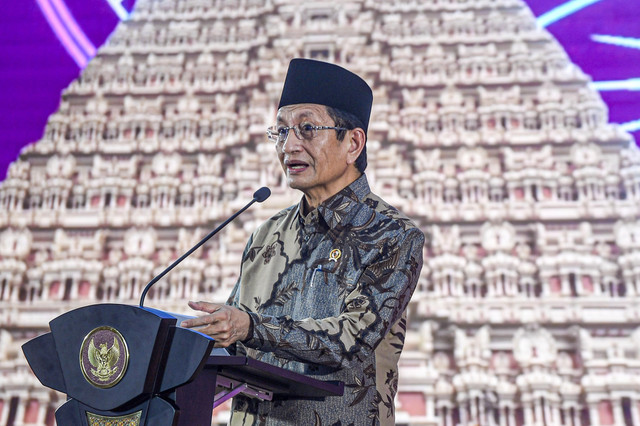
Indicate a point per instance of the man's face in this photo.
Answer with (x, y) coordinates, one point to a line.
(320, 167)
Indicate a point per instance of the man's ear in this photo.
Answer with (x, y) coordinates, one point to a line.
(356, 144)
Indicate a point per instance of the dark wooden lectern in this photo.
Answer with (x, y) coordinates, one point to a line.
(126, 365)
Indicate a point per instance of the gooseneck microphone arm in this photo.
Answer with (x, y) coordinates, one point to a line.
(260, 195)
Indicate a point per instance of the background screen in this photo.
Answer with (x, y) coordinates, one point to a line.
(44, 45)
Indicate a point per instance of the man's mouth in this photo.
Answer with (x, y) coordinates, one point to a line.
(296, 166)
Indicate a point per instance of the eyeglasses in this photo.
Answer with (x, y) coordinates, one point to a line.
(304, 131)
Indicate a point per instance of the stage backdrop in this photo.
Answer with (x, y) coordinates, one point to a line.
(484, 132)
(44, 44)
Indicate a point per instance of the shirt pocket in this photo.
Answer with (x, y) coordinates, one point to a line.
(328, 290)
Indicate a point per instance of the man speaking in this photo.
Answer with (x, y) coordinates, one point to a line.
(324, 284)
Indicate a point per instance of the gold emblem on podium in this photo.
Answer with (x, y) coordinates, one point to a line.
(132, 419)
(104, 357)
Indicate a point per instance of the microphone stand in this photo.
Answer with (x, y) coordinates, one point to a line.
(259, 196)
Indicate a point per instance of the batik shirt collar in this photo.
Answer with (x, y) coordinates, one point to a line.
(338, 208)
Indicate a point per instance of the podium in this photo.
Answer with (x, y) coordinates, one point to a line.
(127, 365)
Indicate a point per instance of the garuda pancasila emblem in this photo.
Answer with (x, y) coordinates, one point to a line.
(104, 363)
(104, 359)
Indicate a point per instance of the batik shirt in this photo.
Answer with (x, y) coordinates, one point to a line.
(327, 294)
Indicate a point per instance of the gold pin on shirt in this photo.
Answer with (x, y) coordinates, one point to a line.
(335, 255)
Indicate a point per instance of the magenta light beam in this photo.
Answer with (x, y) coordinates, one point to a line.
(62, 34)
(74, 28)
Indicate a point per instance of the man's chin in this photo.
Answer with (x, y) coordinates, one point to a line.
(296, 183)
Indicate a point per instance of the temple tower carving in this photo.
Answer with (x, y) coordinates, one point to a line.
(528, 307)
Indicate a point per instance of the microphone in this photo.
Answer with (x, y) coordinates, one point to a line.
(260, 195)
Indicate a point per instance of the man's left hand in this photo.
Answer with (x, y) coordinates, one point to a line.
(223, 323)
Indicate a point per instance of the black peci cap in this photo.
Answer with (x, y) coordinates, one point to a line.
(315, 82)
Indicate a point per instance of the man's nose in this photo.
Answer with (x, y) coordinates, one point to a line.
(292, 143)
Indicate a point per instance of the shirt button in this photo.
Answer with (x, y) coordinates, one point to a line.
(307, 237)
